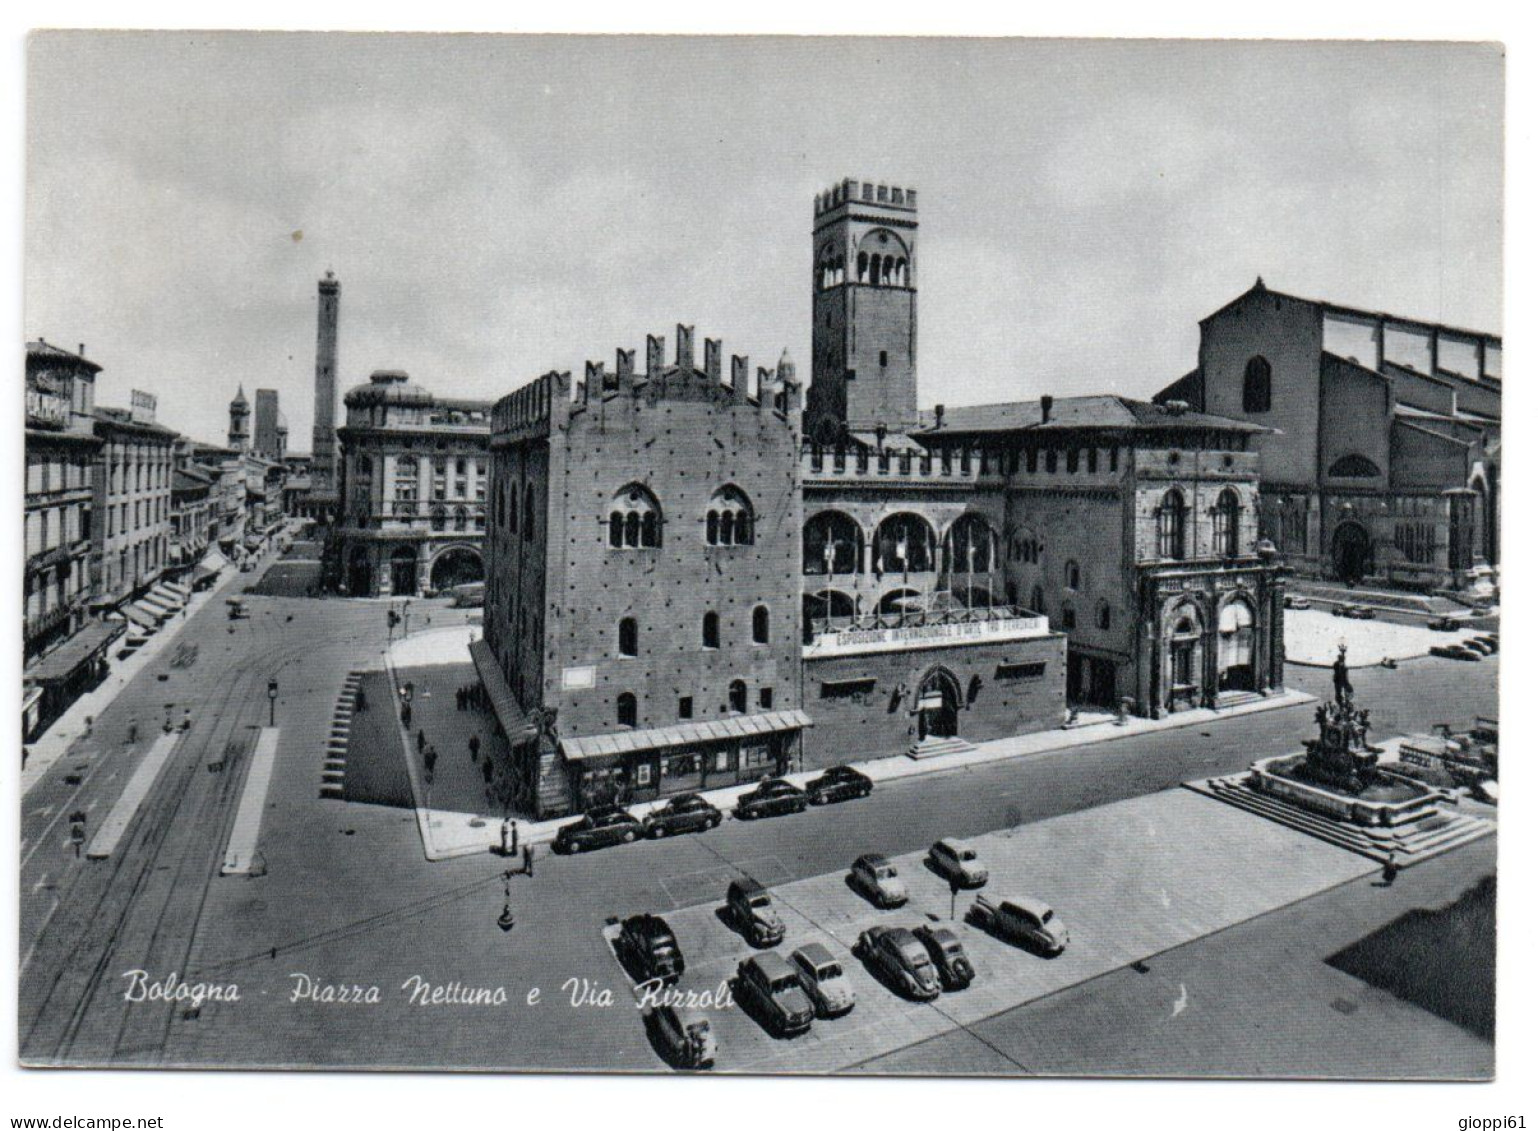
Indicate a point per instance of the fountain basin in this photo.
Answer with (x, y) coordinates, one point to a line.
(1389, 801)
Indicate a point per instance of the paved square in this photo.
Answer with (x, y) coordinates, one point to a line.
(1130, 880)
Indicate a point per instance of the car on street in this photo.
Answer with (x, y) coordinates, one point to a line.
(841, 783)
(648, 949)
(750, 909)
(686, 813)
(958, 862)
(685, 1037)
(823, 978)
(897, 957)
(1354, 612)
(1292, 601)
(598, 828)
(768, 987)
(1443, 624)
(948, 955)
(876, 878)
(1455, 652)
(1475, 644)
(1021, 920)
(770, 799)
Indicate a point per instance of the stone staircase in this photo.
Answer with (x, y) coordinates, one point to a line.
(1397, 600)
(334, 771)
(934, 747)
(1410, 844)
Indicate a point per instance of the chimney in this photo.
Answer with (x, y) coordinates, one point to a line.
(685, 357)
(1046, 408)
(624, 364)
(739, 377)
(81, 350)
(939, 415)
(654, 355)
(713, 359)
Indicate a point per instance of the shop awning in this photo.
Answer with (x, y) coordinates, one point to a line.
(64, 661)
(684, 734)
(515, 724)
(179, 590)
(213, 561)
(142, 617)
(201, 574)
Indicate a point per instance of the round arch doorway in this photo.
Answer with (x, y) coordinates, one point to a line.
(939, 702)
(458, 565)
(1351, 552)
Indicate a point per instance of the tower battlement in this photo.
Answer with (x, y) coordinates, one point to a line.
(853, 191)
(777, 388)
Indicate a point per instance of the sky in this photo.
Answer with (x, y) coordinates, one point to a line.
(497, 207)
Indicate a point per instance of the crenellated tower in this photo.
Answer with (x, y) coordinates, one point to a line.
(864, 309)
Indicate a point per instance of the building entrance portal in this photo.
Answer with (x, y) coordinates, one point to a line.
(403, 572)
(938, 704)
(458, 566)
(1351, 552)
(360, 577)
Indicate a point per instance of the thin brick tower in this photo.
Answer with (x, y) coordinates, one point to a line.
(864, 309)
(323, 444)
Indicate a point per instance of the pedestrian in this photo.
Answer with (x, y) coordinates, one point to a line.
(361, 701)
(133, 732)
(475, 747)
(186, 718)
(406, 714)
(1390, 870)
(421, 740)
(528, 855)
(88, 721)
(430, 759)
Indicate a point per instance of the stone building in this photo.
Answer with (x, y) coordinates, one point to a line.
(642, 596)
(685, 592)
(194, 523)
(62, 646)
(131, 534)
(413, 478)
(1382, 459)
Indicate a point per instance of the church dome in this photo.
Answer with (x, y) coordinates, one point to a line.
(388, 387)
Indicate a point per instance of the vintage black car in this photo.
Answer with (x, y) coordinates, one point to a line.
(841, 783)
(770, 799)
(648, 949)
(750, 909)
(948, 955)
(599, 828)
(686, 813)
(768, 987)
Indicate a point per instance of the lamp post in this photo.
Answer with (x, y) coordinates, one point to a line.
(272, 702)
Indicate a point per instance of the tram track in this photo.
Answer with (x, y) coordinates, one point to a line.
(179, 830)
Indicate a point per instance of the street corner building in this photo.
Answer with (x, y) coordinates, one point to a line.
(1381, 463)
(411, 481)
(685, 590)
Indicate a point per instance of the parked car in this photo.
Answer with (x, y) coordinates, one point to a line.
(598, 828)
(471, 595)
(1455, 652)
(1475, 644)
(1293, 601)
(648, 949)
(900, 960)
(751, 910)
(686, 813)
(685, 1036)
(1355, 612)
(958, 862)
(823, 978)
(770, 799)
(768, 987)
(841, 783)
(948, 955)
(877, 879)
(1443, 624)
(1023, 921)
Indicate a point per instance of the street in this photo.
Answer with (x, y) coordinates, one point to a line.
(345, 900)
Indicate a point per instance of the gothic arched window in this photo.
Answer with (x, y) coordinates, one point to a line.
(729, 522)
(1225, 524)
(1172, 525)
(1257, 385)
(635, 520)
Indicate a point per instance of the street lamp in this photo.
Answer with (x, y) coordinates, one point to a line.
(272, 702)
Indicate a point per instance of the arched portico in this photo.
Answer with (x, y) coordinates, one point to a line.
(455, 565)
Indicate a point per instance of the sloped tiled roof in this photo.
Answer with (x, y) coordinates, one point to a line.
(1102, 411)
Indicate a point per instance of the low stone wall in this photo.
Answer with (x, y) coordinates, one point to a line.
(1385, 814)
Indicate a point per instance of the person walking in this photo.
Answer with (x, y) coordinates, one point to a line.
(475, 747)
(1390, 870)
(421, 740)
(133, 731)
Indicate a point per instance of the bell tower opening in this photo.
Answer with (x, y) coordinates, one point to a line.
(864, 309)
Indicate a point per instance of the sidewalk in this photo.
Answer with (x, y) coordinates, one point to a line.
(56, 741)
(447, 835)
